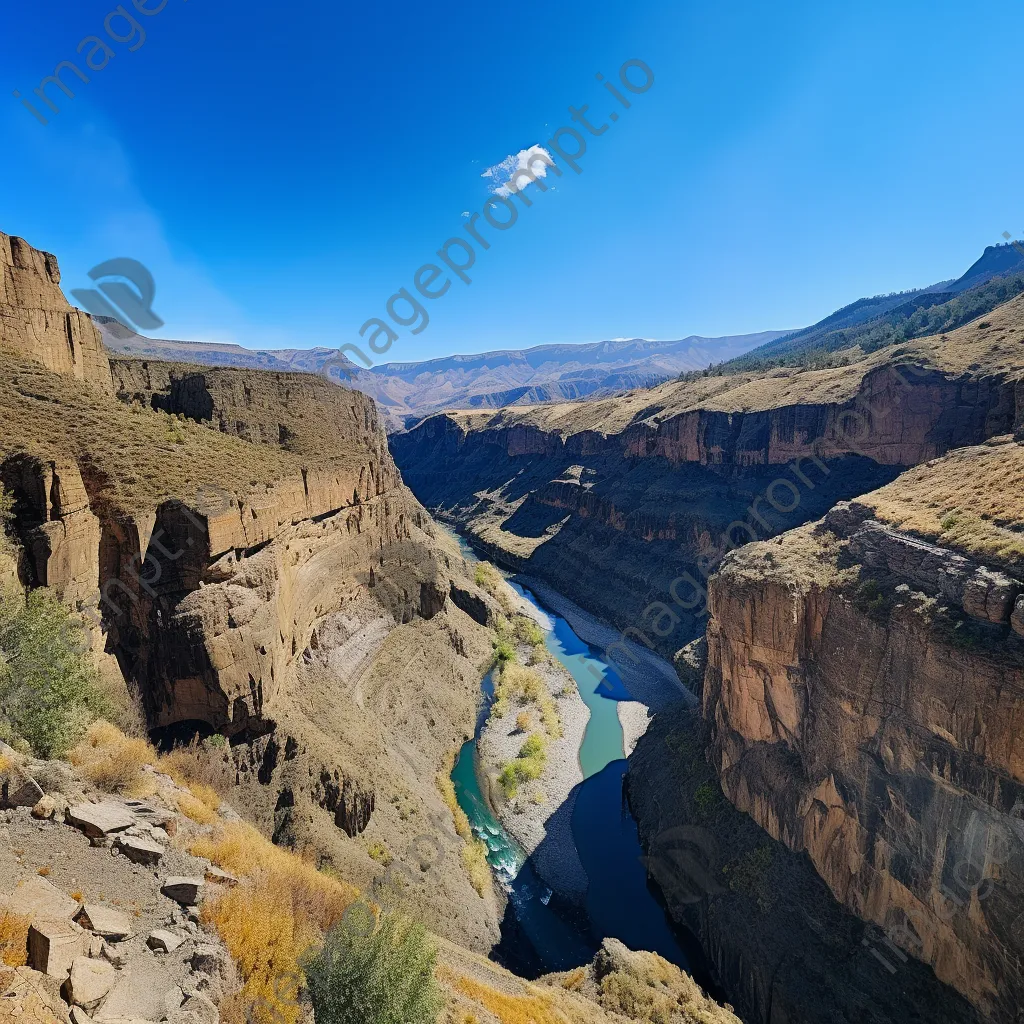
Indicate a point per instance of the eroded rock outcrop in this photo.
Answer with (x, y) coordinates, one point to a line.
(36, 321)
(864, 697)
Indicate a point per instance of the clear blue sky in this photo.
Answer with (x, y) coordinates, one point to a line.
(283, 170)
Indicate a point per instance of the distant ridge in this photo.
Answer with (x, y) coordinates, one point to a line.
(871, 323)
(407, 391)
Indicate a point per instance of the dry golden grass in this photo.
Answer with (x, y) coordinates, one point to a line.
(13, 939)
(652, 990)
(509, 1009)
(138, 459)
(198, 810)
(971, 500)
(522, 685)
(110, 760)
(282, 906)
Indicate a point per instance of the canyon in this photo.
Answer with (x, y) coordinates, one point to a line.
(829, 803)
(256, 584)
(850, 624)
(227, 536)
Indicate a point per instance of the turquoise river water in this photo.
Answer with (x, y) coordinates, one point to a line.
(542, 932)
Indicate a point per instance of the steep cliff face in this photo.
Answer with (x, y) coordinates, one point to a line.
(36, 321)
(243, 546)
(864, 690)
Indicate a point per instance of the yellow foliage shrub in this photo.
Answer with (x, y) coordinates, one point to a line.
(282, 906)
(517, 682)
(13, 939)
(111, 760)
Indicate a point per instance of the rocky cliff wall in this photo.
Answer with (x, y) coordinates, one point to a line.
(864, 697)
(242, 546)
(36, 321)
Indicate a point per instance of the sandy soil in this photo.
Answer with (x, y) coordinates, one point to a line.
(634, 718)
(650, 679)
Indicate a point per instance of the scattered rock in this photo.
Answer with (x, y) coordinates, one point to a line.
(119, 954)
(33, 998)
(99, 820)
(105, 921)
(215, 874)
(139, 850)
(183, 890)
(158, 817)
(197, 1007)
(164, 941)
(54, 945)
(45, 809)
(79, 1016)
(38, 899)
(18, 788)
(90, 980)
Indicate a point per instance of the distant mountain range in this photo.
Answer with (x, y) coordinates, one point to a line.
(408, 391)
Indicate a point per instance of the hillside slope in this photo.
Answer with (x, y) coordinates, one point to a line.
(869, 324)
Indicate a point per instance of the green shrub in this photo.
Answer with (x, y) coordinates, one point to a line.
(748, 874)
(504, 651)
(49, 689)
(528, 632)
(383, 978)
(705, 796)
(527, 767)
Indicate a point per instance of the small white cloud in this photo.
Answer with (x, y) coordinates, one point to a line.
(504, 175)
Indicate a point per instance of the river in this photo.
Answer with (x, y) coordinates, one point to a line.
(542, 932)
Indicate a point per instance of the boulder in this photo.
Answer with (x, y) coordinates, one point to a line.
(105, 921)
(164, 941)
(990, 595)
(39, 899)
(146, 991)
(216, 875)
(18, 788)
(100, 820)
(90, 980)
(33, 998)
(54, 945)
(140, 850)
(45, 809)
(186, 891)
(79, 1016)
(158, 817)
(1017, 618)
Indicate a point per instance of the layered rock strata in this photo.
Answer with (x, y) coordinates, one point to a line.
(36, 320)
(863, 691)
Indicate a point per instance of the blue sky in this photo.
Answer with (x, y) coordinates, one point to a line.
(284, 171)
